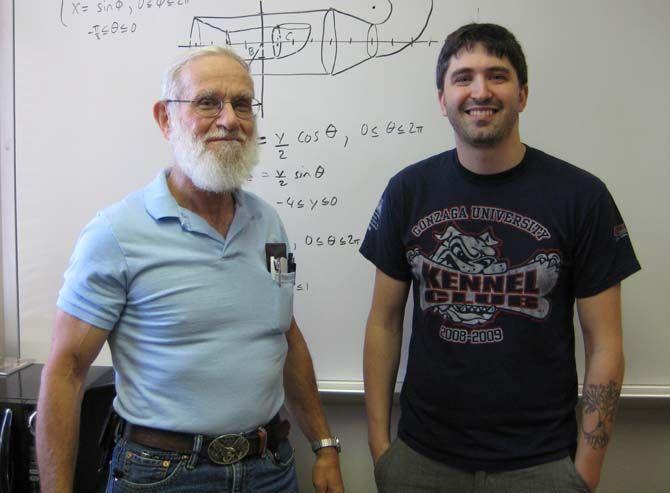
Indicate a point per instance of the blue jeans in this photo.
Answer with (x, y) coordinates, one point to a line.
(138, 468)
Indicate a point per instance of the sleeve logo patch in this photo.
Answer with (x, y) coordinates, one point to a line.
(376, 216)
(620, 231)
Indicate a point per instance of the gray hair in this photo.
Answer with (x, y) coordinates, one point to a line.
(171, 85)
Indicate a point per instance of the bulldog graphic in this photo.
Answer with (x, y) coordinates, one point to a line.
(468, 254)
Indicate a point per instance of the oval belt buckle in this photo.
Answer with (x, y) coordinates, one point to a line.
(228, 449)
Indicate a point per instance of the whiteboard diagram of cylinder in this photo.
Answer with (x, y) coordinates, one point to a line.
(287, 42)
(341, 41)
(273, 39)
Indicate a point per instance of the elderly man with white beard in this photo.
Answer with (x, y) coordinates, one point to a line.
(178, 279)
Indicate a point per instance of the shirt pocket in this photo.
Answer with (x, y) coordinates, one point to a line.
(283, 301)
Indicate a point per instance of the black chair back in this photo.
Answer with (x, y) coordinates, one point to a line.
(6, 461)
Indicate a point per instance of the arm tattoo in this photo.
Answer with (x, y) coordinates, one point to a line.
(604, 400)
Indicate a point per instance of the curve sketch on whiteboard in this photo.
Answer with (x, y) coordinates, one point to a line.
(323, 42)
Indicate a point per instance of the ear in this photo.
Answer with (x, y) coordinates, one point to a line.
(162, 118)
(442, 101)
(523, 97)
(449, 233)
(488, 239)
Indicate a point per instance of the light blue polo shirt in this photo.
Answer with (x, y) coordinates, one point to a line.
(197, 322)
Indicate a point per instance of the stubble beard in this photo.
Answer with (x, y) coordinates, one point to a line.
(224, 169)
(485, 136)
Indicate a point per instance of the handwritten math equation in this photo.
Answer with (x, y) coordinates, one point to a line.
(283, 142)
(294, 181)
(112, 18)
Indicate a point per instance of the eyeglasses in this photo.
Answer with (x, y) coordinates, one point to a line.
(211, 107)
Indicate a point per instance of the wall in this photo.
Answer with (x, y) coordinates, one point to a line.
(8, 335)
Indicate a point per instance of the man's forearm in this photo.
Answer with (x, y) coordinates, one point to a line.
(600, 398)
(302, 394)
(381, 359)
(302, 397)
(58, 412)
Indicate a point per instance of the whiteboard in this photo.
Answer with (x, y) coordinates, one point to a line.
(349, 99)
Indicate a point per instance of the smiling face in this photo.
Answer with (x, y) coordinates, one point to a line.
(216, 153)
(218, 77)
(482, 98)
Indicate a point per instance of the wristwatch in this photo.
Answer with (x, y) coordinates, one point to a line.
(326, 442)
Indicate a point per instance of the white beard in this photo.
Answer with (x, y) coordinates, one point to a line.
(223, 170)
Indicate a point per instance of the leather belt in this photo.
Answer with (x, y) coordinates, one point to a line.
(222, 449)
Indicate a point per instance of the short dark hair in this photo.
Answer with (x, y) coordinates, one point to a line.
(496, 39)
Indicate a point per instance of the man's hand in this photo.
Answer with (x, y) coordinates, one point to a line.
(378, 449)
(326, 474)
(591, 482)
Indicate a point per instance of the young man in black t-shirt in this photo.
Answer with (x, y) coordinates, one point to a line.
(497, 240)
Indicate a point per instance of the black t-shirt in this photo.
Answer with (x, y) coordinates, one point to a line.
(496, 262)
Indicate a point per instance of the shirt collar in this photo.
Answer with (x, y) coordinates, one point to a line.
(158, 200)
(160, 203)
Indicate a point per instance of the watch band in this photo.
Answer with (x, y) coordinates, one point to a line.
(326, 442)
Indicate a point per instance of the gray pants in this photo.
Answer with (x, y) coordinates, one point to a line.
(402, 470)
